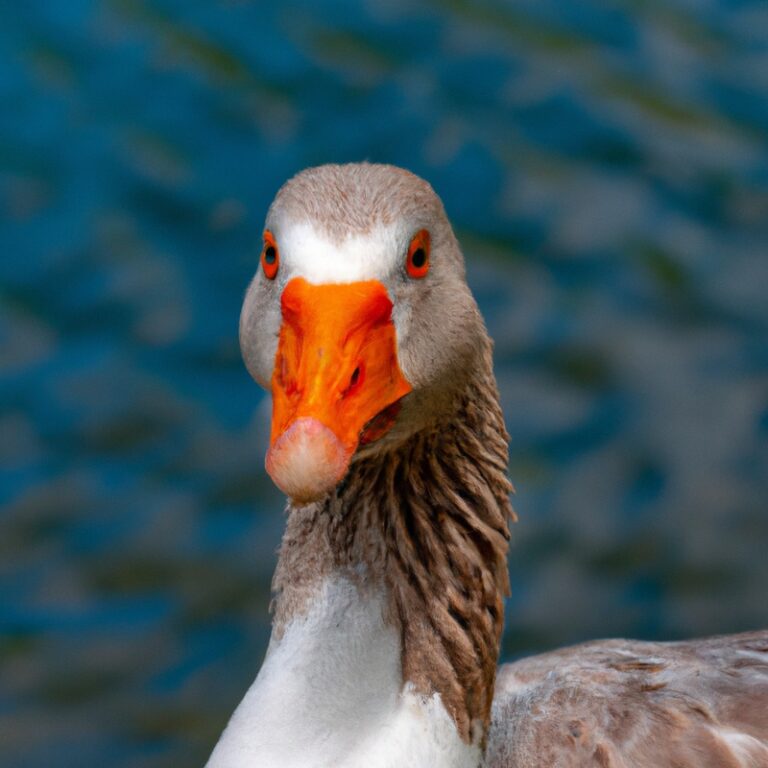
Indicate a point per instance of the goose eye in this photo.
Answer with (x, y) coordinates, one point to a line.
(270, 256)
(417, 262)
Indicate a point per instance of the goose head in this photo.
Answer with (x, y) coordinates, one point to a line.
(358, 320)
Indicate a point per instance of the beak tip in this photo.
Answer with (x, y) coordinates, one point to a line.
(307, 460)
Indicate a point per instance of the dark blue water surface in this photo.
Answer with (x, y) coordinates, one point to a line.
(606, 168)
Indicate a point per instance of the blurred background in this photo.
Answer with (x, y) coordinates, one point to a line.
(605, 165)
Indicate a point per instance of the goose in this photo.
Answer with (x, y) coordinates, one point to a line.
(388, 439)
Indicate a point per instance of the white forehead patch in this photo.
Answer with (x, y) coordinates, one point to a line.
(307, 253)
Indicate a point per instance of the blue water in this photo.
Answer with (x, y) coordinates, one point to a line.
(606, 169)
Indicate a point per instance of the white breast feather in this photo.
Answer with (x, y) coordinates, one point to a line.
(330, 694)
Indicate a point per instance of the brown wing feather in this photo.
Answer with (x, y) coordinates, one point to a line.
(625, 704)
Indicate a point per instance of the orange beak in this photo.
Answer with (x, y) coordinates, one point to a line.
(336, 382)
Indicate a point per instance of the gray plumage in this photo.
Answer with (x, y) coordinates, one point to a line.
(628, 704)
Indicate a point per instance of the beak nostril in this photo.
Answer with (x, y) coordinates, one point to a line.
(354, 381)
(284, 379)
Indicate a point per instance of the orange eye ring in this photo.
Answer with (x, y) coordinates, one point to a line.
(417, 261)
(270, 256)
